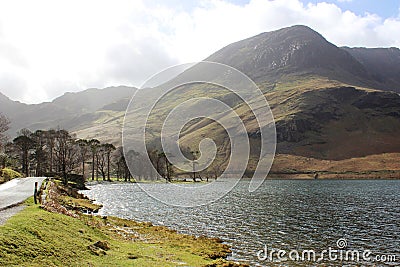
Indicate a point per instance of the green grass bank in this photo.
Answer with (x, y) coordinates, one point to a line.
(67, 237)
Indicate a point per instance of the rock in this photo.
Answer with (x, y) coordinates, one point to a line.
(102, 244)
(96, 251)
(293, 130)
(99, 248)
(132, 257)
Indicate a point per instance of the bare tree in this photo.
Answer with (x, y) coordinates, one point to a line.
(50, 136)
(24, 144)
(216, 170)
(11, 155)
(167, 166)
(66, 153)
(40, 154)
(108, 148)
(4, 126)
(101, 160)
(84, 152)
(117, 156)
(3, 160)
(122, 166)
(134, 164)
(155, 158)
(194, 158)
(93, 144)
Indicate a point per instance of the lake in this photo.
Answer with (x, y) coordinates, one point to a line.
(282, 214)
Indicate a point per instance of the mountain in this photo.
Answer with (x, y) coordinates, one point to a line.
(299, 50)
(293, 50)
(323, 98)
(92, 100)
(9, 106)
(72, 111)
(330, 104)
(381, 63)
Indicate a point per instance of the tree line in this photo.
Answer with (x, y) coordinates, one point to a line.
(60, 153)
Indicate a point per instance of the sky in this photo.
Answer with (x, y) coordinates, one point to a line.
(51, 47)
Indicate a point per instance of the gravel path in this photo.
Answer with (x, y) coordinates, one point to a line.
(6, 214)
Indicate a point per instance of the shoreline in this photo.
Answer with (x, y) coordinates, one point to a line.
(272, 177)
(58, 233)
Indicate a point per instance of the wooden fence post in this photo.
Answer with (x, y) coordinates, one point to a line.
(35, 193)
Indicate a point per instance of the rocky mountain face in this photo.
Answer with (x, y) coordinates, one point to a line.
(341, 122)
(341, 99)
(299, 50)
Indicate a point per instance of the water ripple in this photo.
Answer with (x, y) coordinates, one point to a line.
(282, 214)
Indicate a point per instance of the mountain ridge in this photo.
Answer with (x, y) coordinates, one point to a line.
(62, 111)
(381, 63)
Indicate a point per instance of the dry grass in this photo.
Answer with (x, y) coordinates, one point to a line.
(374, 166)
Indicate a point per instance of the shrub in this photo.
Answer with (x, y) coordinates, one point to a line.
(9, 174)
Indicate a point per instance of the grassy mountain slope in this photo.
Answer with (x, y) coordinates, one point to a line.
(320, 118)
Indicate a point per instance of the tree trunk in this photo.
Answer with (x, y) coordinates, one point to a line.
(51, 159)
(64, 175)
(108, 167)
(83, 169)
(25, 164)
(93, 167)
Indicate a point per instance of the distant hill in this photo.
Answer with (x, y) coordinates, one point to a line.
(93, 99)
(72, 111)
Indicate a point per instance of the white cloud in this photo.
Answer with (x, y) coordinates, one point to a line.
(48, 47)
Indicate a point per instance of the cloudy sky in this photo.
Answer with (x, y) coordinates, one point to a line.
(50, 47)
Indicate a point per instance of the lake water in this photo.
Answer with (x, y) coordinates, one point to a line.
(281, 214)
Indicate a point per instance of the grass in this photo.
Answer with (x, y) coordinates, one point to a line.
(8, 174)
(36, 237)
